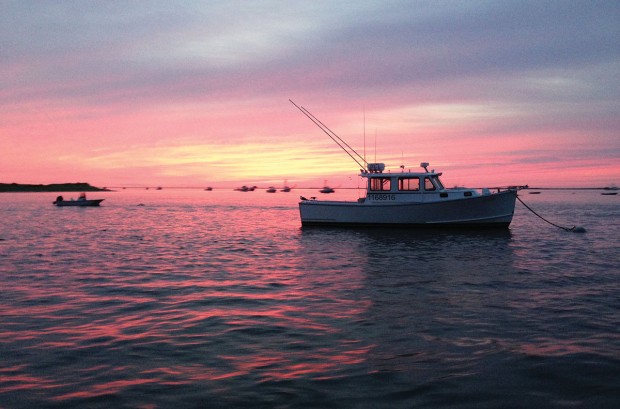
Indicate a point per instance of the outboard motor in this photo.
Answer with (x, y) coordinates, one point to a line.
(59, 199)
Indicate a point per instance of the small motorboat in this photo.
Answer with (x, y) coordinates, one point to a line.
(272, 189)
(81, 201)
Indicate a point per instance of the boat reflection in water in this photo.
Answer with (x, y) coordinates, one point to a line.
(412, 301)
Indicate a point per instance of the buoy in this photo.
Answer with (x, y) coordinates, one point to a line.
(579, 229)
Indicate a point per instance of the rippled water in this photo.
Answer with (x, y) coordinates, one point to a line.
(182, 298)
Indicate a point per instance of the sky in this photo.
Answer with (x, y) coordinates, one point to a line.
(196, 93)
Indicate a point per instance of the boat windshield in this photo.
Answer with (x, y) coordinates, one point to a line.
(428, 184)
(438, 183)
(432, 183)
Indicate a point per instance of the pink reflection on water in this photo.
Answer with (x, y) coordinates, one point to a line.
(108, 388)
(556, 347)
(237, 301)
(14, 379)
(285, 364)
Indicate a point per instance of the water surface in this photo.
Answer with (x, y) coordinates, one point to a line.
(189, 298)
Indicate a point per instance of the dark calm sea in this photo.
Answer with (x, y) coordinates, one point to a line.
(196, 299)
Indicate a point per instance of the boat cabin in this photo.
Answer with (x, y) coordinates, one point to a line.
(408, 186)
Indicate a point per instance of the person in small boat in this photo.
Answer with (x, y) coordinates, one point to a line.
(82, 196)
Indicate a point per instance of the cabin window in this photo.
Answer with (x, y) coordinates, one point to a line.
(428, 184)
(380, 184)
(409, 184)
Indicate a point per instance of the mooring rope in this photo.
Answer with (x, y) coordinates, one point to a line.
(574, 229)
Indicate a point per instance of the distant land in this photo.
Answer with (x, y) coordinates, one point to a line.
(55, 187)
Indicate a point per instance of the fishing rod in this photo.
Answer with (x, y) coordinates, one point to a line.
(334, 134)
(339, 141)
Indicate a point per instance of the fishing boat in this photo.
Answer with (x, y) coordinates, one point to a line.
(413, 199)
(81, 201)
(408, 199)
(272, 189)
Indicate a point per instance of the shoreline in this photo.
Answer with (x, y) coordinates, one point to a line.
(54, 187)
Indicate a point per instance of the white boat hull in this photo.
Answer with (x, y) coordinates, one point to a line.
(493, 210)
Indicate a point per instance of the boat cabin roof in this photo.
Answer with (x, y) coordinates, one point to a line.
(402, 182)
(375, 170)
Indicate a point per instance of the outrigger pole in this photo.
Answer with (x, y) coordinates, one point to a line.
(339, 141)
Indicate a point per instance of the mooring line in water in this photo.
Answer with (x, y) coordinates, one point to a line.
(574, 229)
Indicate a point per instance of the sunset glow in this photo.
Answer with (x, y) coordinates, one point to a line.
(113, 94)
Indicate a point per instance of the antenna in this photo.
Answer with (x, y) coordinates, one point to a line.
(375, 144)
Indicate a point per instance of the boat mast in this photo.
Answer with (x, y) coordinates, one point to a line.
(339, 141)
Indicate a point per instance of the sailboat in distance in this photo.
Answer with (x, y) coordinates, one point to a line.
(326, 189)
(286, 187)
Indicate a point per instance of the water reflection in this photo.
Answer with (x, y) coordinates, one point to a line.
(448, 310)
(199, 298)
(423, 292)
(434, 297)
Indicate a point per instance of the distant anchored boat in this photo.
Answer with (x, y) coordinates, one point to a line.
(286, 187)
(406, 198)
(326, 189)
(81, 201)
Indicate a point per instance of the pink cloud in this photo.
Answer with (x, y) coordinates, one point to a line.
(86, 90)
